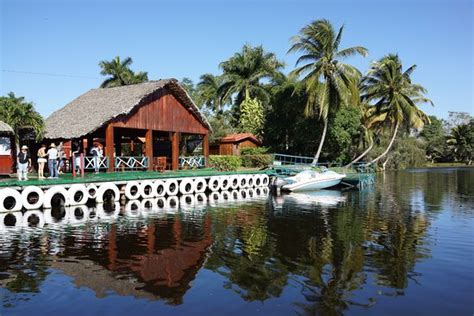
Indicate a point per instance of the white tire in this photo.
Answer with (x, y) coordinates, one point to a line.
(250, 181)
(235, 195)
(200, 198)
(148, 205)
(92, 191)
(187, 186)
(214, 197)
(172, 187)
(29, 214)
(132, 190)
(10, 200)
(146, 189)
(78, 214)
(214, 184)
(78, 194)
(159, 188)
(17, 216)
(258, 180)
(225, 196)
(32, 197)
(251, 193)
(104, 188)
(265, 180)
(187, 201)
(200, 185)
(225, 183)
(242, 181)
(54, 191)
(103, 214)
(172, 204)
(133, 208)
(243, 195)
(234, 182)
(160, 203)
(50, 220)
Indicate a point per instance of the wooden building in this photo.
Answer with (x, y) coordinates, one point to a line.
(136, 124)
(7, 151)
(231, 144)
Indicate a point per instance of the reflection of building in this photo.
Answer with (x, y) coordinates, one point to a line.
(6, 152)
(232, 144)
(161, 267)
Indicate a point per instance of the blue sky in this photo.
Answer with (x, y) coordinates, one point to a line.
(188, 38)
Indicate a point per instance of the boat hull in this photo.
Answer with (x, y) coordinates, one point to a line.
(312, 185)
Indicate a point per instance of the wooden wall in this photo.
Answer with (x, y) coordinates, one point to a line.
(246, 144)
(163, 114)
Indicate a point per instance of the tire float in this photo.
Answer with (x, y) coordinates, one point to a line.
(106, 188)
(32, 197)
(148, 205)
(250, 181)
(159, 188)
(10, 200)
(242, 181)
(234, 182)
(78, 194)
(11, 219)
(146, 189)
(265, 180)
(132, 208)
(172, 204)
(187, 186)
(225, 183)
(225, 196)
(30, 216)
(132, 190)
(160, 203)
(200, 185)
(172, 187)
(50, 219)
(54, 192)
(78, 214)
(201, 199)
(92, 191)
(187, 201)
(214, 184)
(104, 214)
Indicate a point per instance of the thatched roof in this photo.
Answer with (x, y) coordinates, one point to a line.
(95, 108)
(5, 128)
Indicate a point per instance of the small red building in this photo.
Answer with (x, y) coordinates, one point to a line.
(231, 144)
(7, 151)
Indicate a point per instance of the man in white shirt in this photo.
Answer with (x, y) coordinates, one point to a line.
(52, 161)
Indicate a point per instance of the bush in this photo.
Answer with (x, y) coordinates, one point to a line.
(225, 163)
(253, 150)
(256, 161)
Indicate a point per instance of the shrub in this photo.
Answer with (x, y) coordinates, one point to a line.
(225, 163)
(256, 161)
(253, 150)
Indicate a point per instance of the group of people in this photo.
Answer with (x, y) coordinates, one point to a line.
(55, 157)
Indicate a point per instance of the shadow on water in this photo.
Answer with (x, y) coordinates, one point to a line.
(325, 252)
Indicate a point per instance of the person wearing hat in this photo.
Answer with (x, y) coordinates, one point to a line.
(23, 163)
(52, 161)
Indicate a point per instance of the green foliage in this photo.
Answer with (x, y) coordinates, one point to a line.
(21, 116)
(225, 163)
(221, 127)
(408, 153)
(435, 140)
(251, 116)
(256, 161)
(208, 90)
(253, 151)
(344, 128)
(192, 90)
(120, 73)
(461, 141)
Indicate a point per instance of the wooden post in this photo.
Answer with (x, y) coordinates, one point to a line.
(174, 150)
(149, 148)
(205, 149)
(110, 146)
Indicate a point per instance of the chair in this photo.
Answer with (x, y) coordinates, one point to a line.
(159, 164)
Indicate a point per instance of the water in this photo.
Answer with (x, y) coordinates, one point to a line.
(403, 247)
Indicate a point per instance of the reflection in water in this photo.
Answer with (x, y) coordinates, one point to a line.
(325, 253)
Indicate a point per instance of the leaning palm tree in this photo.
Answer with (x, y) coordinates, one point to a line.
(21, 116)
(330, 83)
(245, 71)
(120, 73)
(395, 97)
(208, 89)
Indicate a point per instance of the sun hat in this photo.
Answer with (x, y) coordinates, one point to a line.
(24, 147)
(52, 145)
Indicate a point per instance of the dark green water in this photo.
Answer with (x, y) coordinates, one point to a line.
(405, 247)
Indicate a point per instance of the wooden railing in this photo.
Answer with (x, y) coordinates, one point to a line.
(90, 162)
(131, 163)
(192, 162)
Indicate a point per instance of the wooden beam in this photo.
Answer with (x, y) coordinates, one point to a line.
(149, 148)
(205, 148)
(110, 146)
(175, 150)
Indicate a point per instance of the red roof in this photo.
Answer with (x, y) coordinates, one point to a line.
(237, 138)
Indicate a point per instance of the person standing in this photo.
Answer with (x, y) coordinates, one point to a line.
(96, 153)
(23, 163)
(41, 161)
(61, 157)
(77, 157)
(52, 161)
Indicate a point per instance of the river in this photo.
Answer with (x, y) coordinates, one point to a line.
(403, 247)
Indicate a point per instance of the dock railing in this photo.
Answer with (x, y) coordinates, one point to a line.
(192, 162)
(131, 163)
(283, 159)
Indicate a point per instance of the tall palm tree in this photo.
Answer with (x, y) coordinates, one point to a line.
(208, 89)
(120, 73)
(330, 83)
(395, 97)
(245, 71)
(366, 133)
(21, 116)
(461, 141)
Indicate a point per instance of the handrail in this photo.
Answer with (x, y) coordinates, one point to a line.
(131, 162)
(89, 162)
(192, 161)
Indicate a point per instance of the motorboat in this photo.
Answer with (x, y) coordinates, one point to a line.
(310, 180)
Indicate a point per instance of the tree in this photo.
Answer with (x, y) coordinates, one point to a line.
(330, 83)
(395, 97)
(120, 73)
(21, 116)
(435, 140)
(208, 89)
(365, 137)
(251, 116)
(461, 140)
(244, 73)
(192, 90)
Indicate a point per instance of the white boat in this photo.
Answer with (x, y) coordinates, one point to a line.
(310, 180)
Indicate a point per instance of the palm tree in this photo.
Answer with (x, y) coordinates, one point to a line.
(366, 134)
(330, 83)
(21, 116)
(461, 141)
(208, 89)
(244, 72)
(395, 97)
(120, 72)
